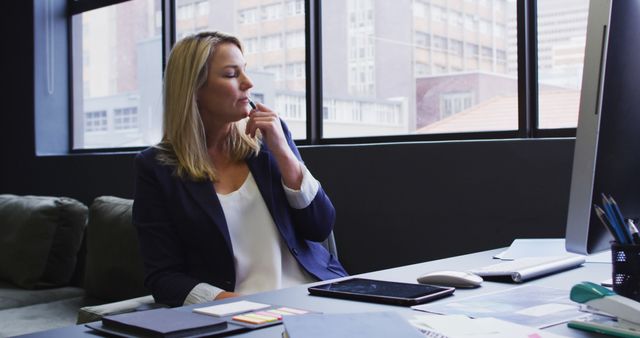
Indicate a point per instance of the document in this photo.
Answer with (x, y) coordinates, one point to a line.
(529, 305)
(350, 325)
(460, 326)
(230, 308)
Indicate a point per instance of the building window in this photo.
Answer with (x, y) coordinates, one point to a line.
(295, 39)
(95, 121)
(248, 16)
(125, 118)
(295, 7)
(272, 12)
(295, 71)
(271, 43)
(452, 103)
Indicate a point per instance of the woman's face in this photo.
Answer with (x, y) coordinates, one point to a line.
(224, 98)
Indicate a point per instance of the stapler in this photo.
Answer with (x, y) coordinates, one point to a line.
(601, 300)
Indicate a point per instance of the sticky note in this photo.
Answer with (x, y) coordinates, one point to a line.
(269, 314)
(248, 319)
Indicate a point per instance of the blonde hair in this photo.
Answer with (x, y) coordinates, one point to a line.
(183, 141)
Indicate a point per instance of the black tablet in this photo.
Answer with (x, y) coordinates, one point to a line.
(378, 291)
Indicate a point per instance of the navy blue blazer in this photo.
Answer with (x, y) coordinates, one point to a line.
(183, 234)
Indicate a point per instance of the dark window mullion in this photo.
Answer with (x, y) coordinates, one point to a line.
(80, 6)
(168, 29)
(527, 69)
(314, 70)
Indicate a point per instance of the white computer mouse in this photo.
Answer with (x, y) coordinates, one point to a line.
(458, 279)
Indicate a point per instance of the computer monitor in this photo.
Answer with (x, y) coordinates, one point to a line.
(606, 158)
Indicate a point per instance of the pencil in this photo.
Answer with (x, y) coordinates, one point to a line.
(601, 215)
(623, 225)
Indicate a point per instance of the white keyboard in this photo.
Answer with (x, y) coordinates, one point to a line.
(529, 267)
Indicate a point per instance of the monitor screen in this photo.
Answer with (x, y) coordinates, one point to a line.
(607, 149)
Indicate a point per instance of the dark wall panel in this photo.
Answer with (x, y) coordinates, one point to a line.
(406, 203)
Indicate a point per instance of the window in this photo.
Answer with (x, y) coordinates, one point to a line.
(272, 12)
(125, 118)
(295, 70)
(120, 66)
(420, 74)
(440, 42)
(561, 43)
(295, 39)
(438, 14)
(422, 40)
(271, 43)
(295, 7)
(248, 16)
(203, 8)
(455, 47)
(452, 103)
(408, 71)
(95, 121)
(420, 10)
(273, 37)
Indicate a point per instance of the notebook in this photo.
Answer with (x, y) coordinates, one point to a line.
(165, 323)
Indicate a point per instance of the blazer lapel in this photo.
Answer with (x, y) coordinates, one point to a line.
(204, 194)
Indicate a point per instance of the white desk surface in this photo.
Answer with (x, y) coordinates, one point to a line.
(300, 298)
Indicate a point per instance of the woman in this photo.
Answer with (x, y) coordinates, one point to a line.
(223, 204)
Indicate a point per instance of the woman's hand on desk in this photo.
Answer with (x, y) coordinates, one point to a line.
(226, 294)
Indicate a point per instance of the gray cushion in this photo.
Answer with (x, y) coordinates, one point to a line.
(113, 269)
(12, 296)
(39, 317)
(39, 239)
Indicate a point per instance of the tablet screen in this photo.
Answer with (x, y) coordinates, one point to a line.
(381, 291)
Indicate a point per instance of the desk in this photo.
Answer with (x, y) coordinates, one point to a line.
(300, 298)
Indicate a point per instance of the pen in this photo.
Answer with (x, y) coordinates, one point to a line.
(634, 232)
(613, 221)
(621, 222)
(601, 215)
(253, 105)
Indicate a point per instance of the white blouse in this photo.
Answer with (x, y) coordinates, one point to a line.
(262, 259)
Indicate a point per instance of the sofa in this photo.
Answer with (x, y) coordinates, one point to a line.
(63, 263)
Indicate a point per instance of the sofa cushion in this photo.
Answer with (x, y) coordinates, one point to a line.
(39, 239)
(12, 296)
(113, 269)
(39, 317)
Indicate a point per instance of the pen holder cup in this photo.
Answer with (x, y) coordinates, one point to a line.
(626, 270)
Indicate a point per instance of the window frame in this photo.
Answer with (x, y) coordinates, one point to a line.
(528, 127)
